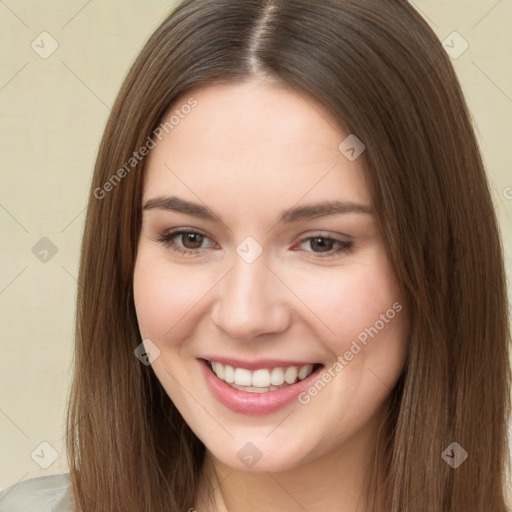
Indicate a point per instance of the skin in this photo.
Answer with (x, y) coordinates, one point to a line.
(249, 151)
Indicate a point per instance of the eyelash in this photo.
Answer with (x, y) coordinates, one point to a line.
(167, 239)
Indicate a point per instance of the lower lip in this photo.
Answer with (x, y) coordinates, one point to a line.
(244, 402)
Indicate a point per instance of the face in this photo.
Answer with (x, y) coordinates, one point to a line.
(262, 279)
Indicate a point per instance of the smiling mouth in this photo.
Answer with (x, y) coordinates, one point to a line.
(261, 380)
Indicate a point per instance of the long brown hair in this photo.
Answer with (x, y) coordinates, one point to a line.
(383, 75)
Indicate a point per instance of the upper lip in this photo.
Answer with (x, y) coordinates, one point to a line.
(257, 364)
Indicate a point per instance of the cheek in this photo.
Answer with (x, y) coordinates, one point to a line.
(165, 296)
(350, 300)
(363, 326)
(367, 337)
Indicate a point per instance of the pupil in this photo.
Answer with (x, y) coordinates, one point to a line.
(321, 244)
(193, 240)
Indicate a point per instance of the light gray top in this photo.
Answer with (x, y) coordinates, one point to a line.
(50, 493)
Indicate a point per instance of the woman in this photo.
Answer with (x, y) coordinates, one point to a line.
(291, 291)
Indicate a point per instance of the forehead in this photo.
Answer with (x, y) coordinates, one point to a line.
(252, 142)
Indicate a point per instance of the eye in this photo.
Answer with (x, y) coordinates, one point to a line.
(186, 241)
(326, 246)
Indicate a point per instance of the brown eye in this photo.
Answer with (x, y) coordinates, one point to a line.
(326, 246)
(186, 242)
(321, 244)
(192, 240)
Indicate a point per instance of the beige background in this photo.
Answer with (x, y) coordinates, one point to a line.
(53, 113)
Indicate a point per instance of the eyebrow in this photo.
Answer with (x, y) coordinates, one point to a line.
(296, 214)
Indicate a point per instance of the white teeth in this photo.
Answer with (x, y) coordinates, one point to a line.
(229, 373)
(260, 381)
(243, 377)
(261, 378)
(218, 368)
(290, 375)
(277, 377)
(305, 371)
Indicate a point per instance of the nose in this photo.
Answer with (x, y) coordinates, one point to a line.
(250, 302)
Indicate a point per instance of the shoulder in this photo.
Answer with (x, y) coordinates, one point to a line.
(50, 493)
